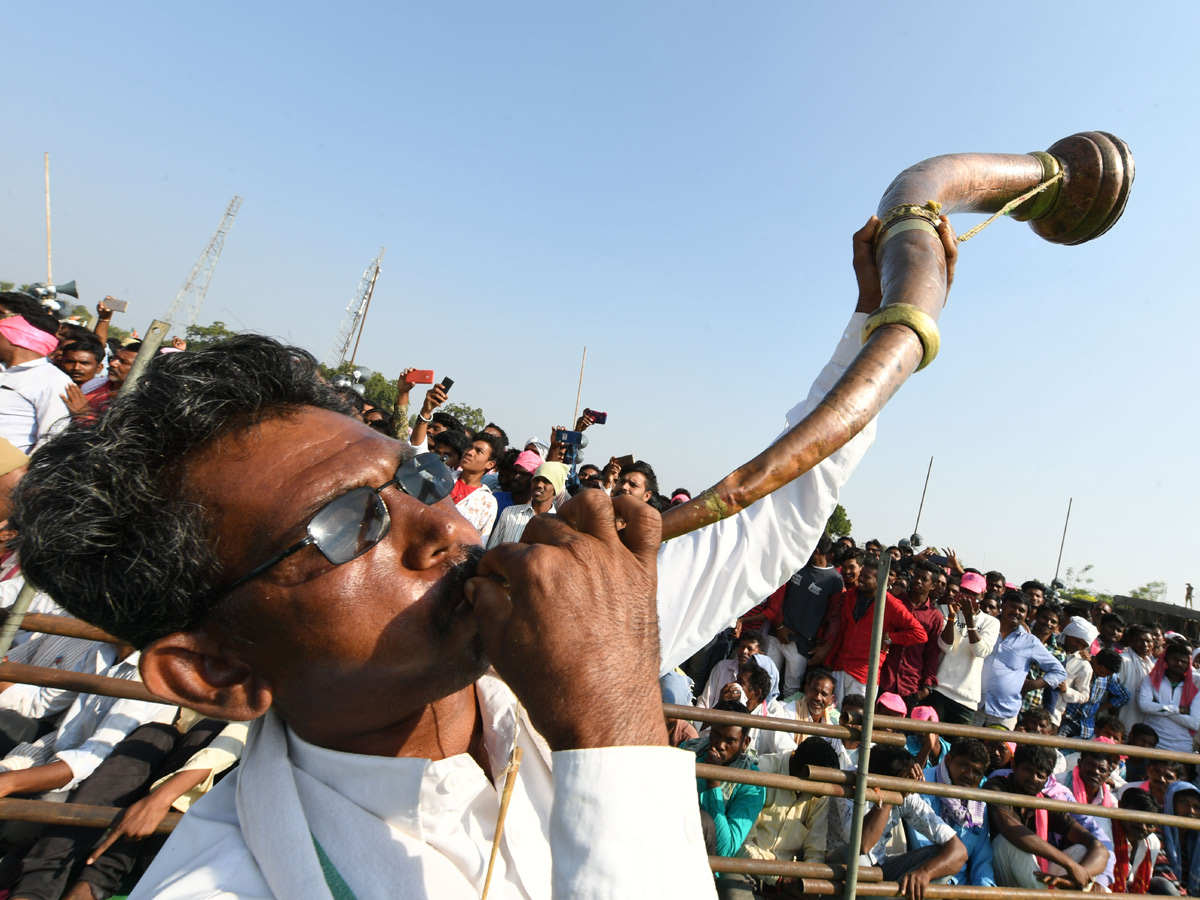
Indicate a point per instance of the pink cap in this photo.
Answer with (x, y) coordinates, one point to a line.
(974, 582)
(893, 702)
(1009, 586)
(925, 714)
(528, 460)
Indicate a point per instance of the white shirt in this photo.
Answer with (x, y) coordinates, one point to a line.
(603, 823)
(479, 508)
(1160, 706)
(1134, 670)
(960, 674)
(92, 727)
(31, 405)
(511, 524)
(41, 603)
(54, 651)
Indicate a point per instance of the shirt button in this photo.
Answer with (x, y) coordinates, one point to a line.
(453, 782)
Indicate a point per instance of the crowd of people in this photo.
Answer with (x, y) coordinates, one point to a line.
(961, 647)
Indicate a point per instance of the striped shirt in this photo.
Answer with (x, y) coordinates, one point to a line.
(56, 652)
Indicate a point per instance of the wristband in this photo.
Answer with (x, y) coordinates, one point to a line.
(421, 418)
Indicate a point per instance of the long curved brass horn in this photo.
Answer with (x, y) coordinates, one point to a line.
(1090, 175)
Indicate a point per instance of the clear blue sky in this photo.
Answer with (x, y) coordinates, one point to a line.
(673, 185)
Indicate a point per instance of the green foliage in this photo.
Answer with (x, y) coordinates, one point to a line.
(13, 286)
(839, 524)
(1079, 587)
(199, 337)
(1151, 590)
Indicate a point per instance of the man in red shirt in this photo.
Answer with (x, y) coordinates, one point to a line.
(852, 645)
(911, 671)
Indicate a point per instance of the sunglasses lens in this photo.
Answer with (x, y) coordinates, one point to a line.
(426, 478)
(349, 526)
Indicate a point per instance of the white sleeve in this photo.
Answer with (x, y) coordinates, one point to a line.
(710, 576)
(122, 718)
(51, 411)
(649, 849)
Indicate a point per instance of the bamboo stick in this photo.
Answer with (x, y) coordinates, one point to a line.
(82, 815)
(821, 887)
(738, 865)
(814, 729)
(788, 783)
(840, 778)
(948, 730)
(66, 626)
(83, 682)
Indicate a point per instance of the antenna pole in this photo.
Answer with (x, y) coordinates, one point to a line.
(579, 392)
(49, 274)
(921, 508)
(1058, 565)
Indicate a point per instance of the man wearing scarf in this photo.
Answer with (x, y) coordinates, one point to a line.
(1088, 781)
(31, 387)
(1031, 847)
(1166, 696)
(964, 766)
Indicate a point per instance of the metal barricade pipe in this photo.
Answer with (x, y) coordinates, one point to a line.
(812, 729)
(868, 726)
(789, 783)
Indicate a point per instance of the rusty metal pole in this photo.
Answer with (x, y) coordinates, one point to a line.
(853, 850)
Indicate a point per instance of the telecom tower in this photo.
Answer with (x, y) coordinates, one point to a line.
(356, 313)
(186, 306)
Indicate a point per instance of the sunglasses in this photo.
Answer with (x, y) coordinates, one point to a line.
(348, 526)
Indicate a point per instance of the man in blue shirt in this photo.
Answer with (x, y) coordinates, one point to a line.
(965, 765)
(1005, 670)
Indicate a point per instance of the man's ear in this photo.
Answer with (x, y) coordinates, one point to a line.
(195, 670)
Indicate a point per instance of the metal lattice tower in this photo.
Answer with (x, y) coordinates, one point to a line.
(185, 308)
(355, 313)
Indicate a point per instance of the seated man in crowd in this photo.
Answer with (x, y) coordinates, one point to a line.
(814, 705)
(1141, 865)
(1030, 849)
(732, 807)
(186, 753)
(1088, 782)
(1140, 735)
(792, 825)
(945, 854)
(726, 671)
(1160, 775)
(60, 760)
(965, 765)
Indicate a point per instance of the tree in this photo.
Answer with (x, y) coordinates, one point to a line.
(839, 523)
(1078, 588)
(200, 337)
(1151, 590)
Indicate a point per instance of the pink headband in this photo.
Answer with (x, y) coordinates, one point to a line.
(21, 334)
(680, 498)
(528, 461)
